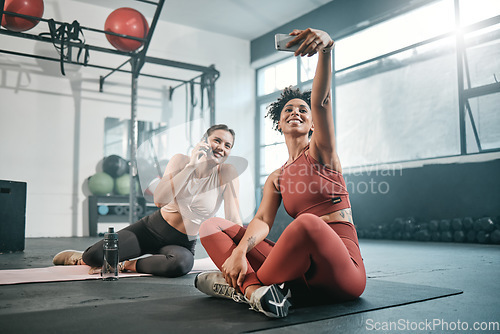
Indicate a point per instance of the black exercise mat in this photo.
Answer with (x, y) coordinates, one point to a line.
(180, 308)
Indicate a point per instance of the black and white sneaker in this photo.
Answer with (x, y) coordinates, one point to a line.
(271, 300)
(213, 284)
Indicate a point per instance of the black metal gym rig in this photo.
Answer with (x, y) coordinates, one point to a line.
(66, 39)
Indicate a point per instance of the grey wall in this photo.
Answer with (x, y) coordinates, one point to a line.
(429, 192)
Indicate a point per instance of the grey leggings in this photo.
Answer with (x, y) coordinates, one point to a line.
(173, 252)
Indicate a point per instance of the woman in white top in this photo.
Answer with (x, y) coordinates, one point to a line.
(191, 191)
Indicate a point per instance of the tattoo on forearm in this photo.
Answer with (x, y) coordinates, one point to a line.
(251, 243)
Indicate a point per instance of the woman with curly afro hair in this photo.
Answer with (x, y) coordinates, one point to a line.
(317, 256)
(275, 108)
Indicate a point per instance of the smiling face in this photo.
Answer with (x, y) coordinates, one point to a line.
(221, 143)
(296, 117)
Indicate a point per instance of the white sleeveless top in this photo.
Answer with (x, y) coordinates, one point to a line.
(199, 198)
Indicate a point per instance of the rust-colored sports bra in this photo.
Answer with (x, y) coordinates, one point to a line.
(307, 186)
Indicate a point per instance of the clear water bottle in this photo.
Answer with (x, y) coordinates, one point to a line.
(109, 270)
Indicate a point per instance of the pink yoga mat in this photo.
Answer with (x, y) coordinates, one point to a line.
(76, 273)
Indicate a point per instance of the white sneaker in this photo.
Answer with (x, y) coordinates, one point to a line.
(213, 284)
(272, 300)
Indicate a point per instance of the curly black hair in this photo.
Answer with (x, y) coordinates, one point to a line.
(289, 93)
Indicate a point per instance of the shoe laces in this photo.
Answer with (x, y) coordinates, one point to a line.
(253, 303)
(239, 298)
(223, 289)
(228, 291)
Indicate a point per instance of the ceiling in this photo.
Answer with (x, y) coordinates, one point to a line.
(246, 19)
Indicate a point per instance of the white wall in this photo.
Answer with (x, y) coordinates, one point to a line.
(52, 127)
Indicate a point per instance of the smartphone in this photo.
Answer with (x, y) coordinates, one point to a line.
(204, 139)
(280, 41)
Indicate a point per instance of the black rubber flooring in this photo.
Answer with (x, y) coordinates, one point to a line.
(427, 286)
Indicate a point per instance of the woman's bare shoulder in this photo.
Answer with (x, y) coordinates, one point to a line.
(274, 178)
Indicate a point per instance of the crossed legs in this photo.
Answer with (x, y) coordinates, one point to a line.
(308, 251)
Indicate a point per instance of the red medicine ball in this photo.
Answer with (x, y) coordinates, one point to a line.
(126, 21)
(25, 7)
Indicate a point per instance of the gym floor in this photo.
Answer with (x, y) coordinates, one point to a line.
(472, 268)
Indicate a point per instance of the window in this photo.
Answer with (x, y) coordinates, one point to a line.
(484, 113)
(273, 152)
(400, 94)
(278, 76)
(394, 34)
(473, 11)
(307, 68)
(404, 106)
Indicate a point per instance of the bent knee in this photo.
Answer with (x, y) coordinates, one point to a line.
(213, 225)
(307, 217)
(176, 267)
(181, 268)
(209, 225)
(93, 256)
(307, 222)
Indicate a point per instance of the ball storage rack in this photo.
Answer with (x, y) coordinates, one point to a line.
(206, 76)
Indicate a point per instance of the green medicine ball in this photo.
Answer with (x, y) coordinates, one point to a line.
(122, 185)
(101, 184)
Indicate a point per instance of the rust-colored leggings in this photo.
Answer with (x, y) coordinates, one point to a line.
(322, 258)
